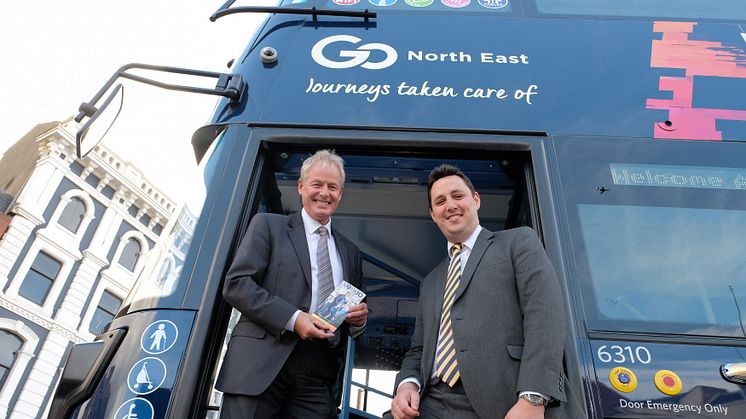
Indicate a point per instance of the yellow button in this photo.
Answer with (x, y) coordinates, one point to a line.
(668, 382)
(623, 379)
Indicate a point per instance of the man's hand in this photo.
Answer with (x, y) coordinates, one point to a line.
(522, 409)
(309, 327)
(406, 404)
(358, 315)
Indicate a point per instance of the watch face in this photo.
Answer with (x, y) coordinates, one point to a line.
(534, 399)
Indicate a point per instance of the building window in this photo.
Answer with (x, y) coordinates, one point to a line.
(72, 215)
(77, 168)
(10, 344)
(130, 254)
(105, 312)
(39, 278)
(92, 180)
(108, 191)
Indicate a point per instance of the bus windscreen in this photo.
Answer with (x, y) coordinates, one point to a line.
(680, 268)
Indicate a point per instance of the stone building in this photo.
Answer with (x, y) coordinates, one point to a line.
(74, 233)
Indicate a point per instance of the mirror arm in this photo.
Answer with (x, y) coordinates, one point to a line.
(231, 86)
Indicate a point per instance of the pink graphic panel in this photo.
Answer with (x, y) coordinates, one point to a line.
(696, 58)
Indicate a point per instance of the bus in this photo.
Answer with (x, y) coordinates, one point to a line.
(615, 129)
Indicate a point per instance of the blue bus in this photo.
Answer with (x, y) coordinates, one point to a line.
(614, 128)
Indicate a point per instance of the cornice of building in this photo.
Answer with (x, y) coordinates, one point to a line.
(42, 321)
(99, 260)
(37, 219)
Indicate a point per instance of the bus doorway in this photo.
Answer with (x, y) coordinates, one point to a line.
(384, 211)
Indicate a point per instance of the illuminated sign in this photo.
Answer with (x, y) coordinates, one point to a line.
(699, 177)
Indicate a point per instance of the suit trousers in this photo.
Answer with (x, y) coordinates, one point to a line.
(301, 390)
(443, 402)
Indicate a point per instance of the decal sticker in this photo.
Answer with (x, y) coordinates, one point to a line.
(623, 379)
(346, 2)
(455, 4)
(493, 4)
(668, 382)
(382, 3)
(159, 337)
(136, 408)
(419, 3)
(146, 376)
(698, 59)
(360, 56)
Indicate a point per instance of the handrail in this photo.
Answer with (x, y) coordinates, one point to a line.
(226, 10)
(386, 267)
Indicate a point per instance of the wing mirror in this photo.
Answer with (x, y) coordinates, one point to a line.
(230, 86)
(100, 120)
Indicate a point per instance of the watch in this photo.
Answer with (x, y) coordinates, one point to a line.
(534, 399)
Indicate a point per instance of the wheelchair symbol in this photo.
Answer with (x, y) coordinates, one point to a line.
(135, 408)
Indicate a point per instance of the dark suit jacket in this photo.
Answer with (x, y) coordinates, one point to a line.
(508, 324)
(269, 280)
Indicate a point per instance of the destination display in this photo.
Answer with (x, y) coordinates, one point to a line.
(678, 176)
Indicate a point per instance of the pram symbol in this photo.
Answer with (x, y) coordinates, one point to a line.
(146, 376)
(143, 378)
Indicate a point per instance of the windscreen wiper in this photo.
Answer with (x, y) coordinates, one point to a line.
(226, 10)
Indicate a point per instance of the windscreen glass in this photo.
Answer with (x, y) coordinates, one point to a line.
(162, 274)
(658, 231)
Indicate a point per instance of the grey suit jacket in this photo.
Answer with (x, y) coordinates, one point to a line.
(269, 280)
(508, 324)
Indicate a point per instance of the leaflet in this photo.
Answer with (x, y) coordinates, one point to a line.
(336, 306)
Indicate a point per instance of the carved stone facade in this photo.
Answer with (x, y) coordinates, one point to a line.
(79, 232)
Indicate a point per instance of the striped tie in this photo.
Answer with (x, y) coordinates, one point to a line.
(446, 366)
(325, 278)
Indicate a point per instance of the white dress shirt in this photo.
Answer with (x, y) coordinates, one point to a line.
(312, 238)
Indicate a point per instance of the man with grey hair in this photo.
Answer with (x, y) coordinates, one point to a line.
(281, 361)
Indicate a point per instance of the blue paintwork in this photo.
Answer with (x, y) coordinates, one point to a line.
(698, 366)
(118, 388)
(591, 76)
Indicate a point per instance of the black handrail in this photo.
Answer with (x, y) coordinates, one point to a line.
(226, 10)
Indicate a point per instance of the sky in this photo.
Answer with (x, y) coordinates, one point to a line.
(58, 53)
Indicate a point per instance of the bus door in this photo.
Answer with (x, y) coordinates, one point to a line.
(384, 210)
(656, 232)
